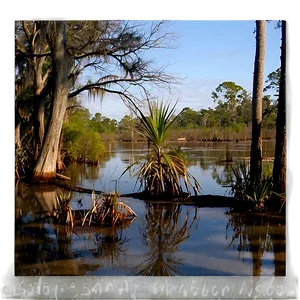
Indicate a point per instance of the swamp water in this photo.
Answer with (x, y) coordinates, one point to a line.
(164, 239)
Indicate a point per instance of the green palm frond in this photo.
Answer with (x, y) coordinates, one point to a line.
(163, 170)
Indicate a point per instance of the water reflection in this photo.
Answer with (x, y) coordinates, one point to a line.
(222, 174)
(204, 165)
(34, 201)
(80, 172)
(46, 249)
(165, 228)
(259, 234)
(110, 246)
(164, 240)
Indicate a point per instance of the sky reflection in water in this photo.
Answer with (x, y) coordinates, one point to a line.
(163, 240)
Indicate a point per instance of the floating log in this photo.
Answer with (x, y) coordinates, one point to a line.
(199, 200)
(78, 188)
(213, 201)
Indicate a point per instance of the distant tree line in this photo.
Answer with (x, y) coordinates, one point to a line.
(230, 119)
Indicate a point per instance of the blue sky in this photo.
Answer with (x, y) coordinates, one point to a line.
(207, 53)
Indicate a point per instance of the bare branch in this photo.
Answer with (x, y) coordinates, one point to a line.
(75, 106)
(89, 54)
(46, 75)
(26, 30)
(101, 82)
(28, 55)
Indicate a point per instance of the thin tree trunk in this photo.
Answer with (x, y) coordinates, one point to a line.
(279, 171)
(258, 78)
(45, 170)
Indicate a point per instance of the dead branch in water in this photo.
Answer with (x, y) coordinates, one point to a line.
(63, 177)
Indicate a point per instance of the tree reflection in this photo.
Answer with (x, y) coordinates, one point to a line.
(258, 234)
(222, 176)
(164, 230)
(110, 245)
(46, 249)
(43, 248)
(78, 172)
(205, 163)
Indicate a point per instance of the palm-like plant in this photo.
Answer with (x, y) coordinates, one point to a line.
(255, 192)
(162, 170)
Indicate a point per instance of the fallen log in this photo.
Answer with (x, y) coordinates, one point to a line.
(63, 177)
(199, 200)
(78, 188)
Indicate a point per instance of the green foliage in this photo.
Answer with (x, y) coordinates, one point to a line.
(253, 193)
(188, 118)
(89, 146)
(81, 142)
(103, 124)
(267, 169)
(161, 171)
(233, 111)
(273, 81)
(260, 193)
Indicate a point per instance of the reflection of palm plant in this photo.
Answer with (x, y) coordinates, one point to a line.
(110, 245)
(161, 171)
(163, 233)
(63, 212)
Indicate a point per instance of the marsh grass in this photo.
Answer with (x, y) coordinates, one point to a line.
(63, 212)
(24, 159)
(108, 211)
(254, 193)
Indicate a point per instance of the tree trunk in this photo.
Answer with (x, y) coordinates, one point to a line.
(258, 78)
(279, 170)
(41, 118)
(45, 169)
(39, 46)
(39, 110)
(59, 162)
